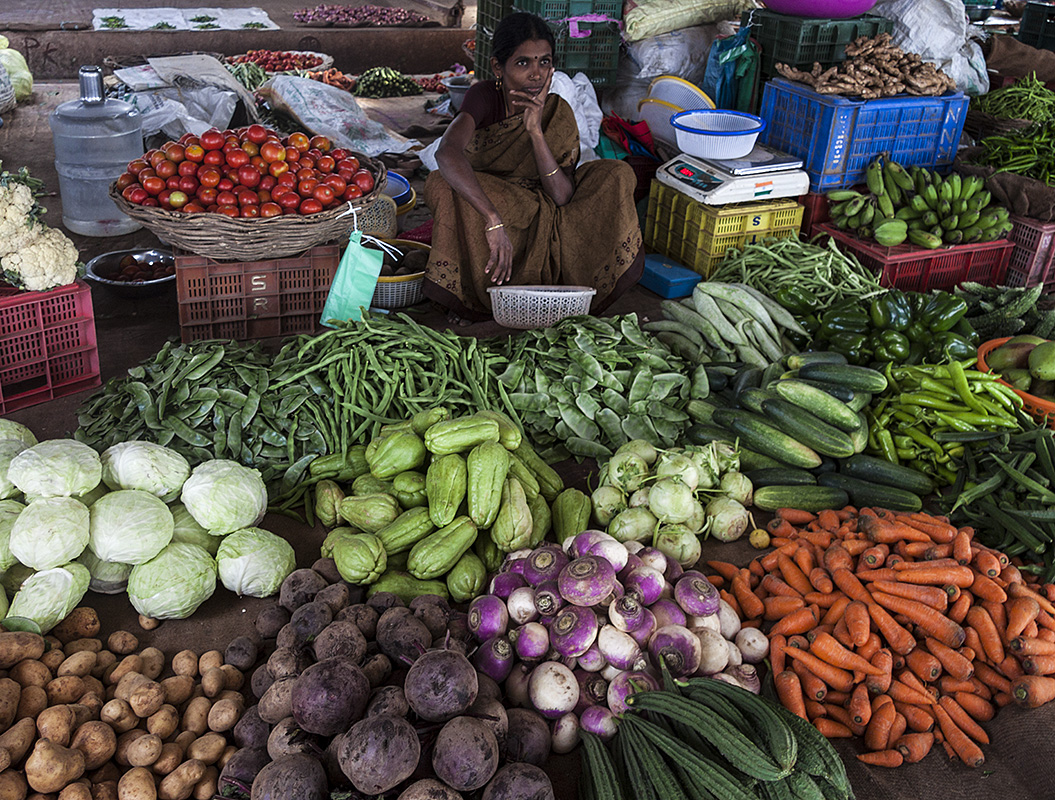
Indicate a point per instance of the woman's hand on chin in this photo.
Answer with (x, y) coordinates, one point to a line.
(531, 104)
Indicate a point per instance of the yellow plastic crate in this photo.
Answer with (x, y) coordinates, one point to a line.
(698, 235)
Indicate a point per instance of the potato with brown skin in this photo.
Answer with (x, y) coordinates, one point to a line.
(178, 689)
(107, 790)
(32, 701)
(170, 758)
(206, 787)
(129, 682)
(226, 755)
(79, 664)
(107, 773)
(13, 785)
(97, 741)
(81, 714)
(225, 713)
(164, 722)
(196, 716)
(149, 623)
(146, 698)
(123, 643)
(10, 694)
(93, 684)
(56, 724)
(137, 784)
(153, 662)
(119, 715)
(104, 659)
(233, 679)
(67, 689)
(208, 660)
(213, 681)
(81, 790)
(132, 663)
(30, 672)
(184, 739)
(81, 623)
(82, 645)
(51, 766)
(185, 662)
(124, 741)
(207, 748)
(53, 658)
(179, 784)
(277, 702)
(144, 750)
(93, 702)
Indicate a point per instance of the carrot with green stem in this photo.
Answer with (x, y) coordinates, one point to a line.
(1033, 691)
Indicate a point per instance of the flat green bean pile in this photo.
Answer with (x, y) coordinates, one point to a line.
(587, 385)
(1027, 98)
(822, 269)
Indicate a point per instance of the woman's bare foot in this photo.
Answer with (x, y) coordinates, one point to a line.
(454, 319)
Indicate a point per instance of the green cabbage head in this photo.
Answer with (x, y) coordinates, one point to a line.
(56, 468)
(173, 583)
(223, 496)
(48, 596)
(254, 562)
(129, 526)
(146, 466)
(52, 531)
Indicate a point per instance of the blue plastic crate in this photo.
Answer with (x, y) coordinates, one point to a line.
(667, 278)
(837, 138)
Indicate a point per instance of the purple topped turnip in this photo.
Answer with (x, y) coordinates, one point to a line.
(578, 544)
(599, 720)
(627, 613)
(696, 595)
(591, 660)
(593, 689)
(504, 583)
(676, 647)
(531, 642)
(644, 633)
(495, 658)
(586, 581)
(626, 684)
(521, 605)
(615, 553)
(548, 599)
(646, 583)
(544, 564)
(667, 612)
(573, 630)
(488, 617)
(620, 648)
(565, 735)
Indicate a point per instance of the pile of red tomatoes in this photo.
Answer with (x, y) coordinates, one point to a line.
(248, 172)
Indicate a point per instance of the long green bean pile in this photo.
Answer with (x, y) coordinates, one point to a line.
(1027, 98)
(319, 394)
(1029, 152)
(821, 269)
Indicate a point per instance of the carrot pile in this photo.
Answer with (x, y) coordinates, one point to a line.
(897, 628)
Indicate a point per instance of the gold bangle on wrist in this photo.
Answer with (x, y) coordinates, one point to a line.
(494, 227)
(555, 171)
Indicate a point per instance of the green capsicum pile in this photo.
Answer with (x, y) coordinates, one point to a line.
(894, 327)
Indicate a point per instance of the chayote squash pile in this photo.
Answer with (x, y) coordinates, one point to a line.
(433, 504)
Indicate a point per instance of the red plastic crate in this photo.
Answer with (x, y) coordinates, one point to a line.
(917, 269)
(1033, 258)
(253, 299)
(815, 212)
(47, 345)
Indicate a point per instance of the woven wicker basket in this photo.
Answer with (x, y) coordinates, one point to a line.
(399, 291)
(235, 239)
(7, 92)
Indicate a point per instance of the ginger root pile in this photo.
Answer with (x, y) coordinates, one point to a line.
(874, 68)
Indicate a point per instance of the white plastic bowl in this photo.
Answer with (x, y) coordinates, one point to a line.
(716, 133)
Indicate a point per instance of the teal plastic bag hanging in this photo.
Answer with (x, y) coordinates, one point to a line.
(354, 283)
(730, 58)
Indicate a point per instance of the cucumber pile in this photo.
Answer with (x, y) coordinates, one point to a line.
(385, 82)
(997, 311)
(803, 435)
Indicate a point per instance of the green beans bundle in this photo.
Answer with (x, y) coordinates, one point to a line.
(821, 269)
(1027, 98)
(1029, 152)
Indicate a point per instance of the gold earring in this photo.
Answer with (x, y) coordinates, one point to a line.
(498, 83)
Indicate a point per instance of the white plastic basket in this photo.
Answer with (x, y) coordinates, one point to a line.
(679, 92)
(527, 307)
(657, 113)
(716, 133)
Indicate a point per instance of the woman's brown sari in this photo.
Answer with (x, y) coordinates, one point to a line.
(593, 240)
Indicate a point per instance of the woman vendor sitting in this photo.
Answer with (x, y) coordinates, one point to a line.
(508, 203)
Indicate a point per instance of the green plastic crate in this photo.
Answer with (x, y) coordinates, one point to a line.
(801, 42)
(596, 55)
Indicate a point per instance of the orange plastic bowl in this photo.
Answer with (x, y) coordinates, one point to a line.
(1043, 411)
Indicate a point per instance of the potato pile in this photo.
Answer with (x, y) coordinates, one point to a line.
(874, 68)
(84, 719)
(411, 262)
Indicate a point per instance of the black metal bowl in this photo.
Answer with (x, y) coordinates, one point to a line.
(104, 269)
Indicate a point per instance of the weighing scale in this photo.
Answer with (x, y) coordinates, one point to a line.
(763, 174)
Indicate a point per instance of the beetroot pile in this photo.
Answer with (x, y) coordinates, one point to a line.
(377, 697)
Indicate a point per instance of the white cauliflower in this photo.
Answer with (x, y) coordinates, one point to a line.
(16, 223)
(48, 260)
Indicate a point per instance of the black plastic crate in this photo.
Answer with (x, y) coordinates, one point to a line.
(801, 42)
(1037, 28)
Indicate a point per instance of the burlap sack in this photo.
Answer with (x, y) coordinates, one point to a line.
(1024, 196)
(1010, 58)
